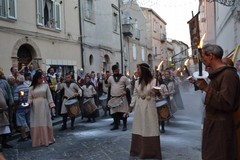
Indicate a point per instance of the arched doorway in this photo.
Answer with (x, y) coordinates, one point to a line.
(24, 55)
(26, 51)
(106, 61)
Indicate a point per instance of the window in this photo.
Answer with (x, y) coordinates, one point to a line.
(115, 22)
(91, 59)
(89, 9)
(8, 9)
(49, 14)
(125, 1)
(134, 52)
(155, 50)
(137, 30)
(154, 25)
(143, 55)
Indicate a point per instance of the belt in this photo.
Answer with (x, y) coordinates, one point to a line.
(88, 97)
(116, 96)
(217, 116)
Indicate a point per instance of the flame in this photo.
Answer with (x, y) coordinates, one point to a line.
(201, 41)
(21, 93)
(159, 66)
(181, 74)
(178, 69)
(186, 62)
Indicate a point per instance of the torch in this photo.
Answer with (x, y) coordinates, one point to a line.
(159, 66)
(200, 74)
(185, 67)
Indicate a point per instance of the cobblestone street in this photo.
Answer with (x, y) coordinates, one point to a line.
(90, 141)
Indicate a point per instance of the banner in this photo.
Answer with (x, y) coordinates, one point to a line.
(194, 36)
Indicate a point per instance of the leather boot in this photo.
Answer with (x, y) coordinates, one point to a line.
(124, 124)
(72, 123)
(115, 119)
(64, 126)
(162, 127)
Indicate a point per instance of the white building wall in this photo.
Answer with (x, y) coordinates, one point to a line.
(48, 46)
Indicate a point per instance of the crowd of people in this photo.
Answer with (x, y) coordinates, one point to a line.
(33, 98)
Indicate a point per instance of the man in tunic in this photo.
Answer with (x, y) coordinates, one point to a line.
(222, 95)
(71, 90)
(52, 80)
(120, 85)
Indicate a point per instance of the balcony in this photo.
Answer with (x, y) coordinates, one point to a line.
(127, 28)
(163, 37)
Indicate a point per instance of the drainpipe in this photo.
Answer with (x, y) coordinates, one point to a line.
(80, 28)
(120, 27)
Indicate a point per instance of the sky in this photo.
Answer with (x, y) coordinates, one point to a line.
(176, 13)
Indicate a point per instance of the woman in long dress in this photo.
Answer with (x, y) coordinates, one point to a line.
(145, 132)
(41, 102)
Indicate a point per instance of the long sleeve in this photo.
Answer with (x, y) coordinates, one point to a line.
(134, 95)
(30, 96)
(49, 97)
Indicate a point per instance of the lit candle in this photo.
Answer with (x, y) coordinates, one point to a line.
(200, 62)
(21, 95)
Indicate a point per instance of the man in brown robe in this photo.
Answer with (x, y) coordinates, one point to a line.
(222, 94)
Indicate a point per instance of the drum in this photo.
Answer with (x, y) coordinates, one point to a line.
(103, 102)
(163, 110)
(163, 113)
(161, 102)
(72, 106)
(88, 107)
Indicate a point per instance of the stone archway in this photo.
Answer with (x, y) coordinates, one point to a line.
(106, 63)
(26, 51)
(106, 59)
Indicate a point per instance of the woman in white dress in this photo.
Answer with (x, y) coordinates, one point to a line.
(145, 132)
(41, 102)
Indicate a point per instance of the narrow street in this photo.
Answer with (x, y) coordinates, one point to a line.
(90, 141)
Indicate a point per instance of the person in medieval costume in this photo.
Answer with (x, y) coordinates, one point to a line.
(90, 111)
(118, 103)
(71, 90)
(145, 142)
(222, 99)
(52, 80)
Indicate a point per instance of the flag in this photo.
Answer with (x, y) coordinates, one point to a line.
(194, 36)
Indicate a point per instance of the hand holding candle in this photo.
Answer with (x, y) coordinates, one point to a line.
(21, 94)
